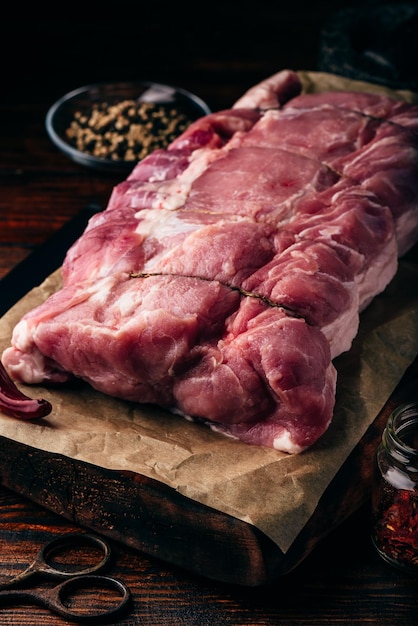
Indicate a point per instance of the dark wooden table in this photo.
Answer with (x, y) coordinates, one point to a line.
(217, 53)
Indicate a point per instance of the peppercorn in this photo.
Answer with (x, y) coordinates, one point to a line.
(126, 130)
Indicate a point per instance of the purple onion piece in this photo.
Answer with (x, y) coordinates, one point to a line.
(13, 402)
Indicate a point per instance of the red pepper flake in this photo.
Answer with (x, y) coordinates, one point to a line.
(396, 531)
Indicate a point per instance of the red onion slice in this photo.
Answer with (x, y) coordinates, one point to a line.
(13, 402)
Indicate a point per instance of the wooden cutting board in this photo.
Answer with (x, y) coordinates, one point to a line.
(154, 518)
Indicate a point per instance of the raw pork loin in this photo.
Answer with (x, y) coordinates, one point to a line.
(228, 271)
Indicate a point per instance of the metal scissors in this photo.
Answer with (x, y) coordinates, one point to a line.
(64, 598)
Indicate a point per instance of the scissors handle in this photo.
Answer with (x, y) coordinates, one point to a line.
(58, 599)
(42, 565)
(72, 540)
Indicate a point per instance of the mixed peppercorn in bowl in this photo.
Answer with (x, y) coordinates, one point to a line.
(112, 126)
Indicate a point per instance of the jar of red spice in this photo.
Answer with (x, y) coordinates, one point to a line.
(395, 490)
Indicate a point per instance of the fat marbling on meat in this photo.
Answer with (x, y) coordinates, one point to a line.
(229, 270)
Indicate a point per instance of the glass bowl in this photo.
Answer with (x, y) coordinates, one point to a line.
(111, 126)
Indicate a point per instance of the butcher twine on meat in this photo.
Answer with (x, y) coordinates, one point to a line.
(228, 271)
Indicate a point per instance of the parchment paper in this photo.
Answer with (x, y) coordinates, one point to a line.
(274, 491)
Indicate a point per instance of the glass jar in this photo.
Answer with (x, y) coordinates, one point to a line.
(395, 490)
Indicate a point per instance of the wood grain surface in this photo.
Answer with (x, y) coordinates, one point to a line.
(342, 582)
(217, 52)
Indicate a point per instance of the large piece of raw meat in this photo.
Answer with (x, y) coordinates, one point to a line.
(227, 272)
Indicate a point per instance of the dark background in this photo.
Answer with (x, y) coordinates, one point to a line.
(212, 48)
